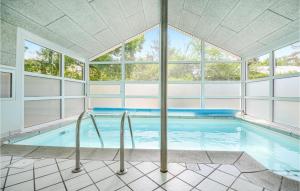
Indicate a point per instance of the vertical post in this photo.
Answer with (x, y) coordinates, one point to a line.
(243, 85)
(202, 66)
(62, 90)
(87, 84)
(123, 75)
(271, 94)
(122, 170)
(163, 85)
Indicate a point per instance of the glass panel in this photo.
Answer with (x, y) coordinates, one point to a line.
(184, 72)
(184, 103)
(222, 71)
(182, 46)
(142, 72)
(287, 60)
(41, 60)
(214, 53)
(287, 113)
(74, 88)
(222, 89)
(73, 68)
(142, 103)
(287, 87)
(114, 55)
(144, 47)
(41, 111)
(102, 89)
(73, 107)
(258, 108)
(184, 90)
(105, 102)
(142, 89)
(258, 67)
(105, 72)
(258, 88)
(38, 87)
(222, 103)
(6, 85)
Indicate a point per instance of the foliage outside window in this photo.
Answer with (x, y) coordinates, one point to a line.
(105, 72)
(41, 60)
(222, 71)
(214, 53)
(73, 68)
(183, 47)
(258, 67)
(114, 55)
(143, 72)
(184, 72)
(287, 60)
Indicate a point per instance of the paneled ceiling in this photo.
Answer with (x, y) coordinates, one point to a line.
(90, 27)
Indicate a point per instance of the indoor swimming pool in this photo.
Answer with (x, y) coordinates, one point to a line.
(274, 150)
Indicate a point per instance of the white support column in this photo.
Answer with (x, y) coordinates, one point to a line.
(123, 70)
(62, 90)
(163, 85)
(243, 84)
(87, 84)
(271, 93)
(202, 73)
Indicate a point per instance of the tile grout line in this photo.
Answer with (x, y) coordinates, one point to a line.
(238, 158)
(63, 181)
(208, 157)
(11, 157)
(116, 154)
(33, 171)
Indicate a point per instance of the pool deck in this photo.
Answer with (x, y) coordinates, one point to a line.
(49, 168)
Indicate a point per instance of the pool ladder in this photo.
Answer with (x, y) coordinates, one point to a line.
(125, 115)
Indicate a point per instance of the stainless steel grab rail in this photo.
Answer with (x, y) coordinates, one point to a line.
(123, 170)
(77, 157)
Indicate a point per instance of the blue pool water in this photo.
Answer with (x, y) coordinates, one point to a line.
(275, 150)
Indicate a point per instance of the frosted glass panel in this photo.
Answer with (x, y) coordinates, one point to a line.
(287, 113)
(104, 89)
(105, 102)
(222, 89)
(42, 111)
(38, 87)
(184, 103)
(258, 108)
(6, 85)
(142, 89)
(184, 90)
(142, 103)
(257, 88)
(287, 87)
(73, 107)
(74, 88)
(222, 103)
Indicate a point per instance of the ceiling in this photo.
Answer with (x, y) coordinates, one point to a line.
(90, 27)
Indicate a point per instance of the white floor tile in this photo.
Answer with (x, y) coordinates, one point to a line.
(230, 169)
(209, 185)
(90, 188)
(175, 168)
(124, 188)
(47, 180)
(21, 177)
(222, 177)
(68, 174)
(192, 166)
(205, 170)
(131, 175)
(100, 174)
(110, 184)
(56, 187)
(78, 182)
(66, 164)
(176, 185)
(191, 177)
(242, 185)
(43, 162)
(143, 184)
(146, 167)
(116, 166)
(28, 186)
(93, 165)
(45, 170)
(160, 177)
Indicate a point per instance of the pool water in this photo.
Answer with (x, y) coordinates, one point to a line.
(274, 150)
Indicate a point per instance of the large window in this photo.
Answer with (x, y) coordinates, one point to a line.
(222, 71)
(41, 60)
(258, 67)
(114, 55)
(143, 72)
(105, 72)
(73, 68)
(287, 60)
(213, 53)
(184, 72)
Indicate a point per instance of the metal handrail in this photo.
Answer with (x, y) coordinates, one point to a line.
(123, 170)
(77, 157)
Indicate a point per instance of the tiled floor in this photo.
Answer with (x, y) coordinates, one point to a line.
(26, 174)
